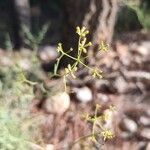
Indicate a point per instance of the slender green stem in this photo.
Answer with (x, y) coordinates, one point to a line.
(80, 139)
(57, 64)
(79, 52)
(85, 65)
(69, 56)
(99, 124)
(30, 82)
(65, 83)
(94, 123)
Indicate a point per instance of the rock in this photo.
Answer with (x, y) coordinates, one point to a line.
(145, 133)
(83, 94)
(48, 53)
(103, 97)
(145, 120)
(148, 146)
(141, 145)
(49, 147)
(58, 103)
(123, 52)
(144, 48)
(126, 135)
(24, 64)
(6, 61)
(129, 125)
(34, 146)
(121, 85)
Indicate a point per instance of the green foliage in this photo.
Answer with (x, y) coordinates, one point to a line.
(17, 125)
(11, 137)
(142, 11)
(8, 43)
(34, 41)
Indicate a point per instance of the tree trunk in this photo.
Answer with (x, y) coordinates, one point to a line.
(97, 15)
(19, 15)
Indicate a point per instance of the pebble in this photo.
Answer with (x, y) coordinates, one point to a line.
(83, 94)
(145, 120)
(48, 53)
(49, 147)
(121, 85)
(145, 133)
(25, 64)
(144, 48)
(103, 97)
(58, 103)
(129, 125)
(148, 146)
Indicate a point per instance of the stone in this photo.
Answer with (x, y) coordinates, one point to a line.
(103, 97)
(121, 85)
(148, 146)
(49, 147)
(24, 64)
(145, 120)
(57, 103)
(129, 125)
(33, 146)
(144, 48)
(83, 94)
(48, 53)
(141, 145)
(145, 133)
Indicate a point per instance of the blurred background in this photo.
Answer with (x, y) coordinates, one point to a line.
(29, 33)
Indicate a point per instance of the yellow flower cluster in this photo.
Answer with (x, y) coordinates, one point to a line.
(83, 45)
(97, 121)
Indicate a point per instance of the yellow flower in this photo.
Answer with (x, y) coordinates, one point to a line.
(59, 47)
(70, 70)
(107, 134)
(112, 108)
(103, 46)
(97, 73)
(105, 116)
(82, 31)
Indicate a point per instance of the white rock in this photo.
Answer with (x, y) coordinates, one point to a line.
(33, 146)
(25, 64)
(5, 61)
(145, 120)
(141, 145)
(49, 147)
(148, 146)
(121, 85)
(130, 125)
(83, 94)
(145, 133)
(103, 97)
(58, 103)
(144, 48)
(48, 53)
